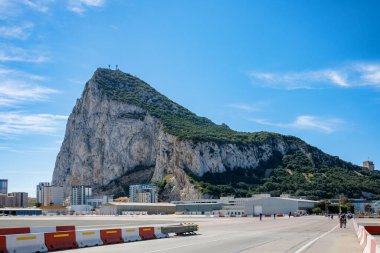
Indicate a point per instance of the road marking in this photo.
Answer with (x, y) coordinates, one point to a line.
(316, 239)
(186, 245)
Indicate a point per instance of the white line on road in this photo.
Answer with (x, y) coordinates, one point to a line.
(186, 245)
(316, 239)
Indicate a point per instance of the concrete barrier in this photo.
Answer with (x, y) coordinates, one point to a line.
(370, 245)
(3, 244)
(363, 241)
(130, 234)
(147, 233)
(88, 238)
(26, 243)
(111, 236)
(373, 230)
(367, 241)
(60, 240)
(158, 233)
(14, 231)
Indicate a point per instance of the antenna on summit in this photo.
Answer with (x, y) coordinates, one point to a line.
(109, 66)
(117, 67)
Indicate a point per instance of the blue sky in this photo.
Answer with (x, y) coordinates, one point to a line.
(304, 68)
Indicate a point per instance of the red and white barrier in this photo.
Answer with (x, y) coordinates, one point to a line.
(158, 233)
(147, 233)
(27, 230)
(60, 240)
(88, 238)
(111, 236)
(130, 234)
(3, 244)
(45, 241)
(367, 241)
(25, 243)
(13, 231)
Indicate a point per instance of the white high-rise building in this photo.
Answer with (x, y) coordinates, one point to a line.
(41, 192)
(80, 194)
(146, 193)
(48, 195)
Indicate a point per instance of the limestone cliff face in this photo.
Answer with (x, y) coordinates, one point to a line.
(110, 144)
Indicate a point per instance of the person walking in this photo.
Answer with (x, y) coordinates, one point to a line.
(274, 216)
(290, 214)
(343, 220)
(261, 216)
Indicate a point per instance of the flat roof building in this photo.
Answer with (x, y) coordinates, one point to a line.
(369, 165)
(150, 208)
(80, 194)
(20, 199)
(262, 203)
(49, 195)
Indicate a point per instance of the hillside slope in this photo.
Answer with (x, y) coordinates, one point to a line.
(122, 131)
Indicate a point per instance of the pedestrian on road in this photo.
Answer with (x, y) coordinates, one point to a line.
(343, 220)
(274, 216)
(261, 216)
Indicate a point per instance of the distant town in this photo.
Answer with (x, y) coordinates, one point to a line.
(143, 199)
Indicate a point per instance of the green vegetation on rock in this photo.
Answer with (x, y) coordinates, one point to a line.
(176, 119)
(309, 173)
(293, 174)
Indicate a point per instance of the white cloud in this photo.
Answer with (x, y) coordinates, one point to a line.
(14, 8)
(244, 107)
(352, 75)
(38, 5)
(80, 6)
(18, 87)
(307, 122)
(17, 32)
(370, 73)
(17, 123)
(9, 53)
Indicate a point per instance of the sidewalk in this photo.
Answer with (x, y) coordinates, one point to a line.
(338, 241)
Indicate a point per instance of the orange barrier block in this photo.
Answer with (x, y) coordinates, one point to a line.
(61, 240)
(3, 246)
(14, 231)
(233, 215)
(147, 233)
(280, 215)
(221, 215)
(111, 236)
(65, 228)
(267, 215)
(244, 215)
(256, 215)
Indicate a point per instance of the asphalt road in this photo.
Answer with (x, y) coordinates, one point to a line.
(232, 235)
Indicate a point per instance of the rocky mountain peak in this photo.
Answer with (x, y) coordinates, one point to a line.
(122, 131)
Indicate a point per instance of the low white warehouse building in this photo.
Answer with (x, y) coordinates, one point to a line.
(275, 205)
